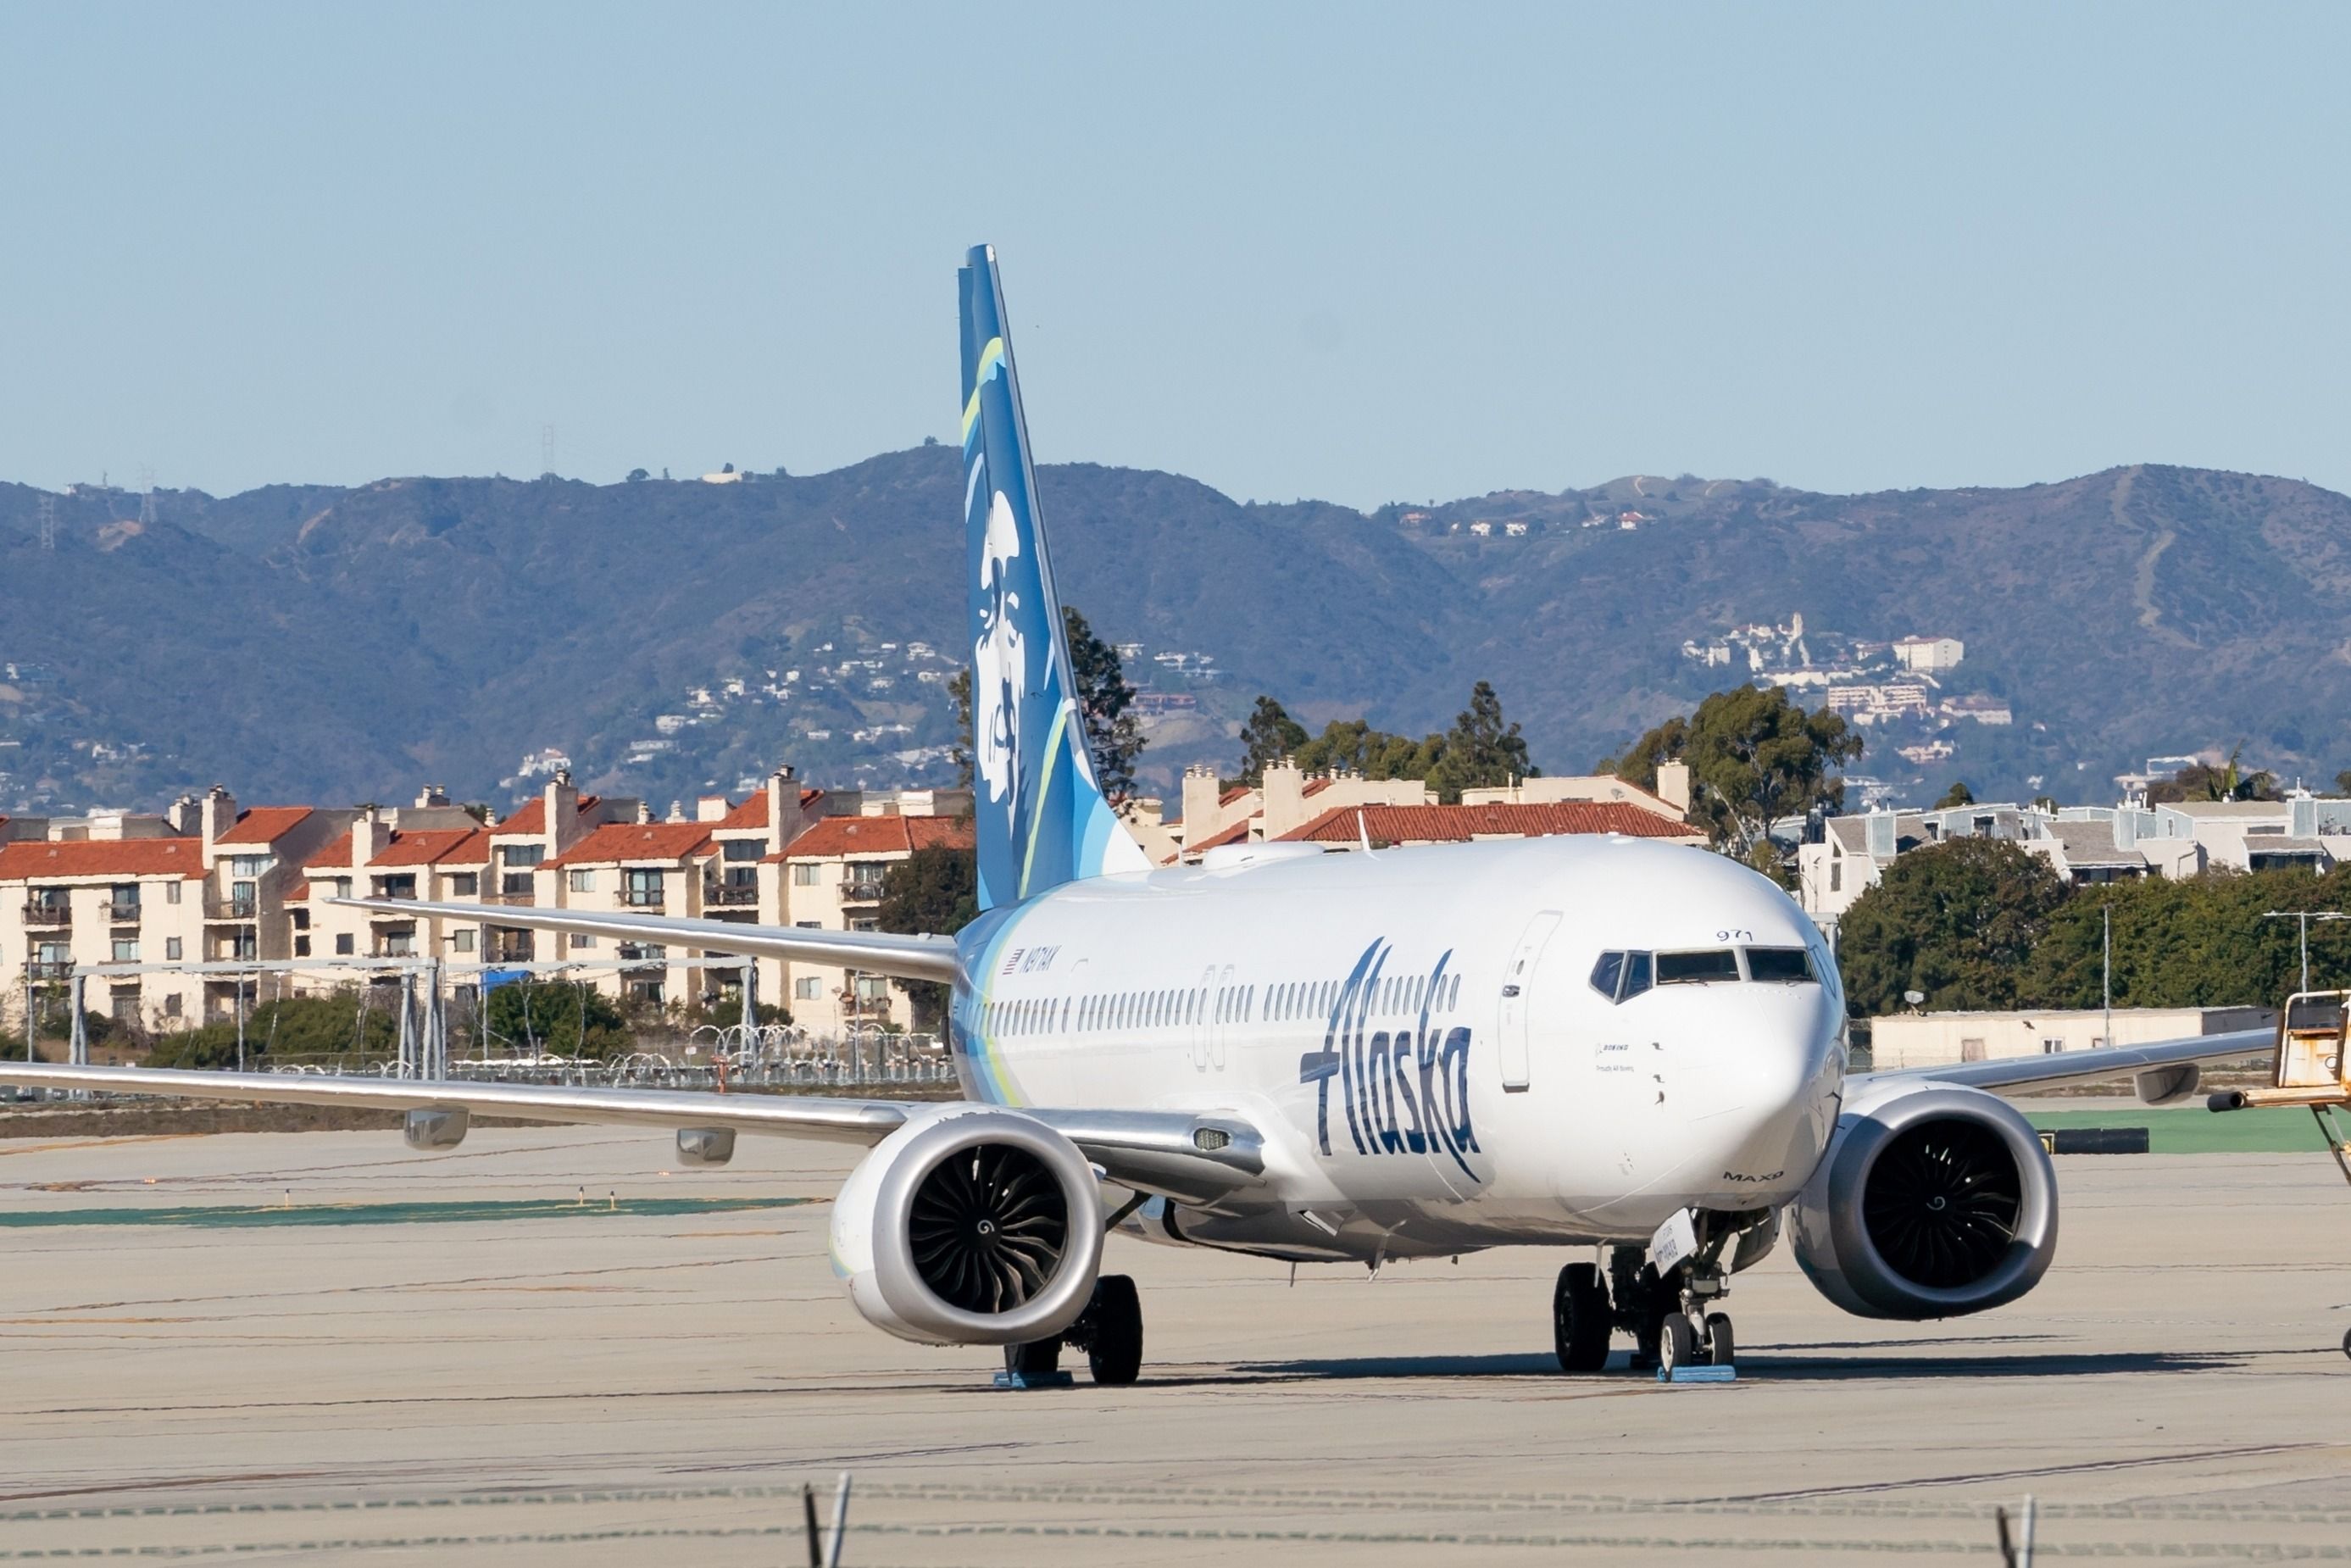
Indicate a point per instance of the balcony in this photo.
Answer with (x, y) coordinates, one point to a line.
(232, 908)
(648, 898)
(861, 890)
(511, 900)
(50, 969)
(724, 896)
(49, 912)
(508, 952)
(122, 913)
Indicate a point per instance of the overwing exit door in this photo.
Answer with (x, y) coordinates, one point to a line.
(1517, 979)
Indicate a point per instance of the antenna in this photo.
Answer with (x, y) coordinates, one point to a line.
(545, 451)
(146, 498)
(48, 522)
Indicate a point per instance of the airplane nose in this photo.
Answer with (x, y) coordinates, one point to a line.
(1756, 1092)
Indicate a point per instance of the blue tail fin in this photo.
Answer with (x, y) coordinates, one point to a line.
(1043, 820)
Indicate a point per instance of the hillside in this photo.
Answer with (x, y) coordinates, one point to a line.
(343, 644)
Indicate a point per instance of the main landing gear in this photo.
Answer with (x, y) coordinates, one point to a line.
(1674, 1318)
(1109, 1331)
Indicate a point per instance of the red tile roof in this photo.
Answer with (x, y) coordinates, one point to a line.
(336, 854)
(834, 837)
(1315, 786)
(37, 861)
(617, 841)
(750, 812)
(532, 818)
(1237, 834)
(1233, 794)
(435, 846)
(1460, 825)
(264, 824)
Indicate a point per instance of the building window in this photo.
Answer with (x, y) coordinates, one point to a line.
(462, 941)
(342, 887)
(400, 942)
(171, 1005)
(643, 890)
(300, 917)
(172, 894)
(583, 882)
(2052, 1047)
(241, 900)
(515, 884)
(343, 946)
(807, 925)
(248, 865)
(872, 989)
(466, 884)
(172, 948)
(301, 946)
(806, 873)
(521, 857)
(808, 989)
(126, 949)
(742, 848)
(580, 940)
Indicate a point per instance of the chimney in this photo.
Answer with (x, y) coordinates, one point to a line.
(785, 821)
(644, 813)
(1673, 786)
(710, 809)
(1201, 794)
(216, 812)
(1285, 797)
(185, 820)
(676, 811)
(2301, 812)
(562, 801)
(433, 795)
(370, 836)
(1880, 830)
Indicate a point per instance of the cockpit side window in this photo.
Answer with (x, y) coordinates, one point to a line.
(1696, 968)
(1606, 973)
(1638, 975)
(1780, 965)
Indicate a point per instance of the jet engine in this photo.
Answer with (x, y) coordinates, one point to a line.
(1933, 1201)
(975, 1226)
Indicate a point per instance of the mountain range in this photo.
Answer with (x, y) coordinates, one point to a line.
(314, 642)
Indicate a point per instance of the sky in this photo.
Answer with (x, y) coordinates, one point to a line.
(1359, 253)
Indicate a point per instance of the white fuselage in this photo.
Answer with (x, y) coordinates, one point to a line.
(1420, 1035)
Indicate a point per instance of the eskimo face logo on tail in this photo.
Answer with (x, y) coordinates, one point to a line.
(999, 662)
(1403, 1091)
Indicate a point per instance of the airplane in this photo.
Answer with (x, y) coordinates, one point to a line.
(1583, 1042)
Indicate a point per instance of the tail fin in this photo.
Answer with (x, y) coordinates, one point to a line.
(1043, 820)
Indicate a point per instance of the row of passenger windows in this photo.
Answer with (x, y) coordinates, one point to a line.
(1176, 1008)
(1620, 976)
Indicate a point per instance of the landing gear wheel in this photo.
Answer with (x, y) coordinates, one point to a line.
(1720, 1349)
(1114, 1324)
(1034, 1359)
(2346, 1343)
(1678, 1345)
(1580, 1319)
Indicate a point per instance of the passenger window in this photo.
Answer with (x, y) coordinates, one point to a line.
(1781, 966)
(1636, 975)
(1696, 968)
(1608, 974)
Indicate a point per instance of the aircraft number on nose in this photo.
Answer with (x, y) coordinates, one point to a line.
(1734, 935)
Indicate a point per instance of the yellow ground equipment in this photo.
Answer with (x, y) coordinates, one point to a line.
(2312, 1067)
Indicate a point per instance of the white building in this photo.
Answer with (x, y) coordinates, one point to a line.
(1928, 655)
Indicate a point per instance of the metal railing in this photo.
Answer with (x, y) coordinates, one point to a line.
(121, 912)
(721, 895)
(859, 890)
(232, 908)
(651, 898)
(49, 912)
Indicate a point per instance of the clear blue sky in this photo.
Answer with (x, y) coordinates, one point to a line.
(1356, 253)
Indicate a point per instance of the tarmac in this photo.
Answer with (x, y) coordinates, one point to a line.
(555, 1346)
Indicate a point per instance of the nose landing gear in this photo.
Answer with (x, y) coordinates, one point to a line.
(1672, 1314)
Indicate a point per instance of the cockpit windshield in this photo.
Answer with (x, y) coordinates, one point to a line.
(1620, 976)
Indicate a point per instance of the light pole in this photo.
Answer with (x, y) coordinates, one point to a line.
(2304, 916)
(2106, 958)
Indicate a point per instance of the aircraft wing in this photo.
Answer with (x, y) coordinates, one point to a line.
(1195, 1156)
(906, 958)
(2158, 1065)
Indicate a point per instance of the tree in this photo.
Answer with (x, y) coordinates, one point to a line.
(1270, 736)
(563, 1017)
(959, 695)
(1754, 759)
(1958, 794)
(1353, 745)
(2203, 781)
(638, 476)
(933, 890)
(1478, 751)
(2342, 782)
(1113, 734)
(294, 1026)
(1958, 921)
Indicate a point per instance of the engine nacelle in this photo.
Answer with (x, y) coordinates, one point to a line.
(1933, 1201)
(970, 1225)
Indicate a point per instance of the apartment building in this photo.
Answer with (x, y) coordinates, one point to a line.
(1288, 801)
(832, 877)
(1345, 828)
(206, 882)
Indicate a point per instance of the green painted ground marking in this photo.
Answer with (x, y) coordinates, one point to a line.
(2278, 1130)
(455, 1213)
